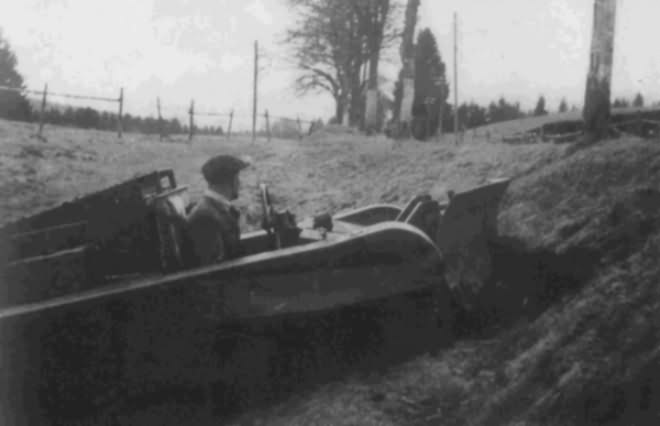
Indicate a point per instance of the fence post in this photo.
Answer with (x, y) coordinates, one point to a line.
(191, 113)
(440, 132)
(121, 110)
(160, 119)
(300, 135)
(42, 113)
(231, 118)
(267, 125)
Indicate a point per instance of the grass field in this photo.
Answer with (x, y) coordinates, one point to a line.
(588, 356)
(320, 173)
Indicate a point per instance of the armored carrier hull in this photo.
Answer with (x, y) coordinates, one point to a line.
(99, 303)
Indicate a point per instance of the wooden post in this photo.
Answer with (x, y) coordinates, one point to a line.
(121, 111)
(254, 91)
(407, 52)
(191, 121)
(596, 112)
(160, 119)
(455, 80)
(441, 115)
(300, 135)
(442, 83)
(267, 125)
(231, 118)
(427, 123)
(42, 112)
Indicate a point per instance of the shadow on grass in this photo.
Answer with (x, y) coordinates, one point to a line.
(274, 360)
(524, 283)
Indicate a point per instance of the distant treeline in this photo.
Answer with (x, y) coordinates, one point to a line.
(472, 115)
(89, 118)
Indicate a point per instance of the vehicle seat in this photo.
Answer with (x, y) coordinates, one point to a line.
(425, 215)
(170, 212)
(410, 207)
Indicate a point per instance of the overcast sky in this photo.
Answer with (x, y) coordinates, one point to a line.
(202, 49)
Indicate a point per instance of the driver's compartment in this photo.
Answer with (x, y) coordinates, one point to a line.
(135, 228)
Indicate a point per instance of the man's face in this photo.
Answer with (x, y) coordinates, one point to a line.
(236, 186)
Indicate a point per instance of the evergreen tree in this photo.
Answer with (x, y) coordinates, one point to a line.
(87, 118)
(638, 102)
(68, 116)
(13, 105)
(563, 106)
(431, 88)
(503, 111)
(540, 107)
(472, 115)
(620, 103)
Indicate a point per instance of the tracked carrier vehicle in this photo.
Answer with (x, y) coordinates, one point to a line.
(98, 300)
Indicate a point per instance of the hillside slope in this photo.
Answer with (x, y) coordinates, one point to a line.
(592, 357)
(580, 296)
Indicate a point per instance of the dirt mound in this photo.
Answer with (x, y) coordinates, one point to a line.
(590, 359)
(579, 272)
(573, 200)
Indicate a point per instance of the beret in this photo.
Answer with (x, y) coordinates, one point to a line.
(221, 168)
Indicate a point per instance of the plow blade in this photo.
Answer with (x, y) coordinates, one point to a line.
(467, 225)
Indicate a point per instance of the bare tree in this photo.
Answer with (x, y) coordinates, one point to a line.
(320, 29)
(332, 41)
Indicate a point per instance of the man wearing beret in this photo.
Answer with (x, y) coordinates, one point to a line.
(213, 229)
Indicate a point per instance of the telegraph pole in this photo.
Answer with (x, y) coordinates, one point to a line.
(455, 81)
(160, 118)
(254, 91)
(191, 113)
(120, 129)
(42, 112)
(596, 112)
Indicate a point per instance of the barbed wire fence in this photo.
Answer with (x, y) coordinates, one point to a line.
(44, 98)
(271, 126)
(178, 118)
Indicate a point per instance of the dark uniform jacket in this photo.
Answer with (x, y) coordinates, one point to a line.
(213, 231)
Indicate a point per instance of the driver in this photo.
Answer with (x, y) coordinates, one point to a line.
(212, 225)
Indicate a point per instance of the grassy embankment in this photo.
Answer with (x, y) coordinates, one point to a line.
(589, 357)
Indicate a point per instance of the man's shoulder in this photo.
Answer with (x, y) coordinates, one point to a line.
(202, 209)
(207, 207)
